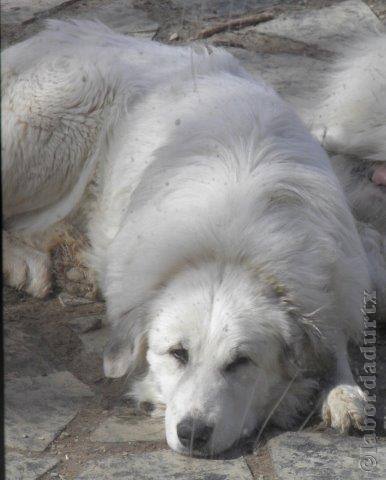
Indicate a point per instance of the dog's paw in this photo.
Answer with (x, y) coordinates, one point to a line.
(80, 281)
(147, 395)
(158, 410)
(154, 410)
(26, 269)
(344, 408)
(71, 263)
(39, 276)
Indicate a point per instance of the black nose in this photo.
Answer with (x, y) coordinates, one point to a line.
(193, 433)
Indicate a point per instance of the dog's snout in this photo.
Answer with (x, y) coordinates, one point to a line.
(193, 433)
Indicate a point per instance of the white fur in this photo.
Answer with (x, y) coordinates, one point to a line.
(218, 224)
(350, 121)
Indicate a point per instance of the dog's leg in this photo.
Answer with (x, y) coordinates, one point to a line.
(146, 393)
(25, 268)
(31, 260)
(55, 113)
(71, 262)
(343, 407)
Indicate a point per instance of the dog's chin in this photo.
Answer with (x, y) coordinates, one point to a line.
(212, 450)
(194, 453)
(208, 452)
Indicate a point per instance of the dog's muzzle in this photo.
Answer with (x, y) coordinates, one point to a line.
(193, 433)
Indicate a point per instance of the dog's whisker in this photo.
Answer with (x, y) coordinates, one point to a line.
(251, 397)
(211, 449)
(314, 312)
(281, 398)
(191, 438)
(302, 426)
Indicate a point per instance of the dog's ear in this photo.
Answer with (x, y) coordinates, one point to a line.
(303, 339)
(305, 345)
(126, 350)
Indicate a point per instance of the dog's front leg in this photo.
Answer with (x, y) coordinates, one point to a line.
(344, 406)
(146, 393)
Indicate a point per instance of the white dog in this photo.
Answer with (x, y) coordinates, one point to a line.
(350, 122)
(231, 264)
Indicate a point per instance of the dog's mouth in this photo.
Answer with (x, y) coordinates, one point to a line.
(210, 451)
(206, 453)
(242, 445)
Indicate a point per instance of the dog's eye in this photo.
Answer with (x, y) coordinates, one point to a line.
(237, 362)
(181, 354)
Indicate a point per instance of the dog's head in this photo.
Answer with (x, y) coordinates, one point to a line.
(222, 343)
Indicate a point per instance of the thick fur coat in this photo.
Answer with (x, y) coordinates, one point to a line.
(222, 240)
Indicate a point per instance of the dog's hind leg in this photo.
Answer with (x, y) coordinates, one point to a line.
(55, 110)
(71, 266)
(25, 268)
(58, 256)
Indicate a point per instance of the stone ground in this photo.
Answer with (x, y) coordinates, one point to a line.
(64, 420)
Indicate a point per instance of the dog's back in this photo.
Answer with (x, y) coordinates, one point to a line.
(350, 122)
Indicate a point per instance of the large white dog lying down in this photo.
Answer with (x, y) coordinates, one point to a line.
(229, 259)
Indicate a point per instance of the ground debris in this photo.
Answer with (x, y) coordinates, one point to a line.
(67, 300)
(235, 24)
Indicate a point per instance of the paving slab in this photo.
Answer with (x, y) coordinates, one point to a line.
(87, 323)
(124, 17)
(95, 341)
(14, 12)
(130, 429)
(320, 456)
(165, 465)
(67, 300)
(38, 408)
(25, 354)
(21, 467)
(291, 75)
(199, 9)
(326, 26)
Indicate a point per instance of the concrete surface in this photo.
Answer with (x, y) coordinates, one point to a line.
(322, 456)
(38, 408)
(130, 429)
(164, 465)
(63, 418)
(21, 467)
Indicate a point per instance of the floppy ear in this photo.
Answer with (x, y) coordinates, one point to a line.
(126, 349)
(303, 342)
(306, 345)
(305, 336)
